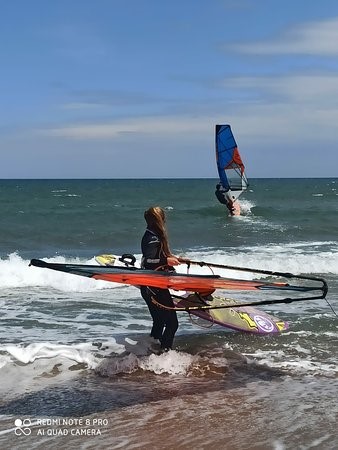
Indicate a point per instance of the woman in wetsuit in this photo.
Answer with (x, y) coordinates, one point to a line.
(157, 256)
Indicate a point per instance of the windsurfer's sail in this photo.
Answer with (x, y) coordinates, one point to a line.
(229, 163)
(189, 282)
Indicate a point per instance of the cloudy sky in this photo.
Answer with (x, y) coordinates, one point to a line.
(125, 89)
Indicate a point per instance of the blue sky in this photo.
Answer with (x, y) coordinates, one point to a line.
(124, 89)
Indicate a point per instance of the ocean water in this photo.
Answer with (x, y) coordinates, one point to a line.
(77, 367)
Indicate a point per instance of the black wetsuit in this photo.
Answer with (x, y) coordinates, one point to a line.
(223, 198)
(221, 194)
(165, 322)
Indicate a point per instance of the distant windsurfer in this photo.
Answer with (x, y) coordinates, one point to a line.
(156, 255)
(231, 203)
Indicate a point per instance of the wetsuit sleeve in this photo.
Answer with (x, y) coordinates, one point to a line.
(221, 197)
(152, 254)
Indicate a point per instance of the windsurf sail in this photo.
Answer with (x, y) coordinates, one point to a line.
(173, 280)
(230, 166)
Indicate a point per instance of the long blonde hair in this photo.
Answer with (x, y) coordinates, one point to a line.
(155, 218)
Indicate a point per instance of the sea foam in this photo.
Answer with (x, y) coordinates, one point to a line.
(305, 258)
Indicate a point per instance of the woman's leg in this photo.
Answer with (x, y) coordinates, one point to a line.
(155, 312)
(168, 317)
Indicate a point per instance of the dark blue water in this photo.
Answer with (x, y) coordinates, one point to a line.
(84, 217)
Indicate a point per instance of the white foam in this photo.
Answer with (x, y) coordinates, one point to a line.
(171, 363)
(295, 363)
(246, 206)
(306, 257)
(4, 359)
(124, 357)
(81, 353)
(15, 272)
(278, 445)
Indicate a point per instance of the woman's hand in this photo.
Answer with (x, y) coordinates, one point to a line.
(183, 260)
(173, 261)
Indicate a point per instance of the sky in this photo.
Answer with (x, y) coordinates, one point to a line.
(134, 89)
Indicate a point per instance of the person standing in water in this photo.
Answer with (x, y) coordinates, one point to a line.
(231, 203)
(156, 255)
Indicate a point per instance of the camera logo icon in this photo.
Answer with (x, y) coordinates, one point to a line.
(22, 427)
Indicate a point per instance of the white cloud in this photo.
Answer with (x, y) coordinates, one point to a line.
(294, 120)
(313, 38)
(150, 126)
(319, 90)
(293, 103)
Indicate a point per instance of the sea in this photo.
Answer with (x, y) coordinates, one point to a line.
(78, 369)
